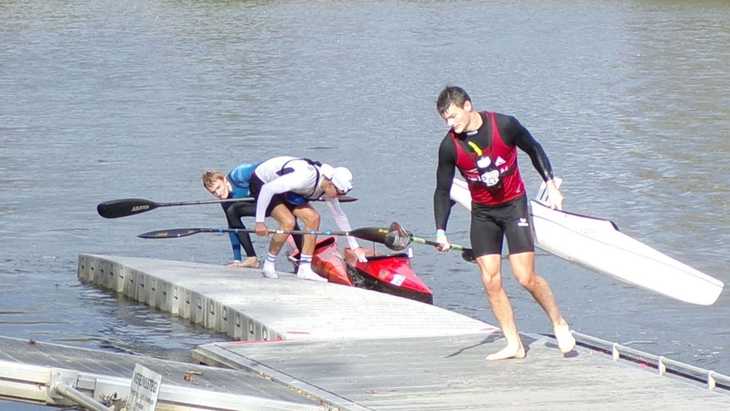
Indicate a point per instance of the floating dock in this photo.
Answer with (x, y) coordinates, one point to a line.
(246, 306)
(346, 348)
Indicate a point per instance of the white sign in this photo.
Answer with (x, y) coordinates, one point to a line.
(144, 390)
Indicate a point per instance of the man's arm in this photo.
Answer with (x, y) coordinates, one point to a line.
(524, 140)
(444, 178)
(234, 237)
(516, 134)
(343, 223)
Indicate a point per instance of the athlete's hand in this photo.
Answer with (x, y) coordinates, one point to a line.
(554, 197)
(444, 244)
(360, 254)
(261, 229)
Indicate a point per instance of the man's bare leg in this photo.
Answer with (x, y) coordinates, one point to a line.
(286, 221)
(310, 217)
(501, 307)
(523, 267)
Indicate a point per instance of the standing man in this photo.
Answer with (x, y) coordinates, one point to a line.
(283, 187)
(483, 146)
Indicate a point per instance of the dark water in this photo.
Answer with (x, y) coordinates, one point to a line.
(104, 100)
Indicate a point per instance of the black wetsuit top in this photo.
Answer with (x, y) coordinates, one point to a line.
(513, 134)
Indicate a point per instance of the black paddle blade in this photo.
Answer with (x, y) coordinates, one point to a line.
(346, 199)
(398, 238)
(374, 234)
(172, 233)
(124, 207)
(468, 255)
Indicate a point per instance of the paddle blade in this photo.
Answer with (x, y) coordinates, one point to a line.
(374, 234)
(346, 199)
(172, 233)
(124, 207)
(398, 238)
(468, 255)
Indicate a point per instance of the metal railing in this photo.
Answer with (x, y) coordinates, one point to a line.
(664, 365)
(79, 397)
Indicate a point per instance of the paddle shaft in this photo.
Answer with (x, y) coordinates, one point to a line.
(466, 253)
(420, 240)
(280, 231)
(184, 203)
(366, 233)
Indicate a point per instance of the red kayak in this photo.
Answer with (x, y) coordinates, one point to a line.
(390, 274)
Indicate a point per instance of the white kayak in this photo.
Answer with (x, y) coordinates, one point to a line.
(598, 244)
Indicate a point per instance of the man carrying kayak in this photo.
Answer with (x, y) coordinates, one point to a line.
(284, 186)
(483, 146)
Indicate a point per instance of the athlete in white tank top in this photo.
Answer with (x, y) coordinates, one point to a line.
(310, 180)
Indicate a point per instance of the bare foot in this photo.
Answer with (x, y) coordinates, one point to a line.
(250, 262)
(566, 341)
(510, 351)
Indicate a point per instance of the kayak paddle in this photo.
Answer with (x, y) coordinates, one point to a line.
(131, 206)
(398, 238)
(375, 234)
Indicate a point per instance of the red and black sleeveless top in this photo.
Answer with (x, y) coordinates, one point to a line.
(503, 159)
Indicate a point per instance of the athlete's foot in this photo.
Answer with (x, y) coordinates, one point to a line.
(250, 262)
(510, 351)
(566, 341)
(306, 273)
(269, 271)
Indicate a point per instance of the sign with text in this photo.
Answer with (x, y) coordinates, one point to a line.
(144, 390)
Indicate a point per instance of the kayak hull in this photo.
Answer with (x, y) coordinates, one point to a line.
(599, 245)
(391, 274)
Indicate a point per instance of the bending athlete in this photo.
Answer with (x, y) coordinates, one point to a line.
(283, 187)
(234, 185)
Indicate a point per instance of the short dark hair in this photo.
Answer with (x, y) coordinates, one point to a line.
(451, 95)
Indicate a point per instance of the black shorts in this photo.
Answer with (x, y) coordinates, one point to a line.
(254, 186)
(490, 224)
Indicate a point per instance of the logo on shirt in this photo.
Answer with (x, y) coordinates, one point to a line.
(499, 161)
